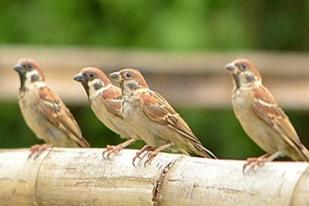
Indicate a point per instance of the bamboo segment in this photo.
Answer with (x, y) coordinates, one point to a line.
(81, 177)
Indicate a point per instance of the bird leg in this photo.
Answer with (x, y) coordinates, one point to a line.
(254, 162)
(146, 149)
(115, 149)
(37, 150)
(155, 152)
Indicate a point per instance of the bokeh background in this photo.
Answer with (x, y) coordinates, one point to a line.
(165, 27)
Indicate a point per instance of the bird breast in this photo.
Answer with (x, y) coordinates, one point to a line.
(110, 120)
(29, 102)
(254, 127)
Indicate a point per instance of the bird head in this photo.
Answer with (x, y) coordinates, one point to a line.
(29, 72)
(93, 80)
(129, 79)
(244, 73)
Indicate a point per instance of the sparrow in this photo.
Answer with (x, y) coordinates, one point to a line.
(261, 116)
(44, 112)
(153, 118)
(105, 100)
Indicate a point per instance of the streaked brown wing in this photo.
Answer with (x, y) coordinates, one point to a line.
(268, 110)
(159, 110)
(58, 114)
(113, 106)
(112, 100)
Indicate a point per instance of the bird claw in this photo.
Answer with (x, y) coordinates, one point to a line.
(138, 154)
(151, 156)
(253, 163)
(37, 150)
(111, 149)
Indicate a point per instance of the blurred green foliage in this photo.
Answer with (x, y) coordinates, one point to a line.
(218, 129)
(165, 25)
(177, 25)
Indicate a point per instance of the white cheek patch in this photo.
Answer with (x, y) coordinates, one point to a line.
(249, 79)
(31, 73)
(242, 78)
(29, 82)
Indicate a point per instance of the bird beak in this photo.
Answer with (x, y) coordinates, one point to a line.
(20, 69)
(115, 76)
(231, 67)
(80, 78)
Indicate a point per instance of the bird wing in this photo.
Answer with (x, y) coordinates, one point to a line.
(157, 109)
(112, 99)
(55, 112)
(268, 110)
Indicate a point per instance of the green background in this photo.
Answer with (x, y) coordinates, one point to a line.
(182, 26)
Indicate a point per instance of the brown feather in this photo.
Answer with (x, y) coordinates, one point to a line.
(112, 100)
(57, 114)
(159, 110)
(276, 118)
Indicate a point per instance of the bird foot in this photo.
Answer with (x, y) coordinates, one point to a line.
(111, 149)
(253, 163)
(37, 150)
(151, 156)
(139, 154)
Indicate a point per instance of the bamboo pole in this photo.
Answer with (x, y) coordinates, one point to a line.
(81, 177)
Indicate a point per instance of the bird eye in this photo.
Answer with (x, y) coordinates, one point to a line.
(91, 75)
(128, 75)
(243, 67)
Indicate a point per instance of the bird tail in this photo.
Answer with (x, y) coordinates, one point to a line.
(204, 152)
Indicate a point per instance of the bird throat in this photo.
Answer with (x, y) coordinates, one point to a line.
(86, 87)
(236, 81)
(124, 89)
(22, 82)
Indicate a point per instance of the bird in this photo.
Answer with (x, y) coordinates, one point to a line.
(105, 100)
(261, 117)
(44, 112)
(154, 119)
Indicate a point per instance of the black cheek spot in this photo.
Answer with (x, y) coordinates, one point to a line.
(97, 85)
(250, 77)
(133, 85)
(35, 78)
